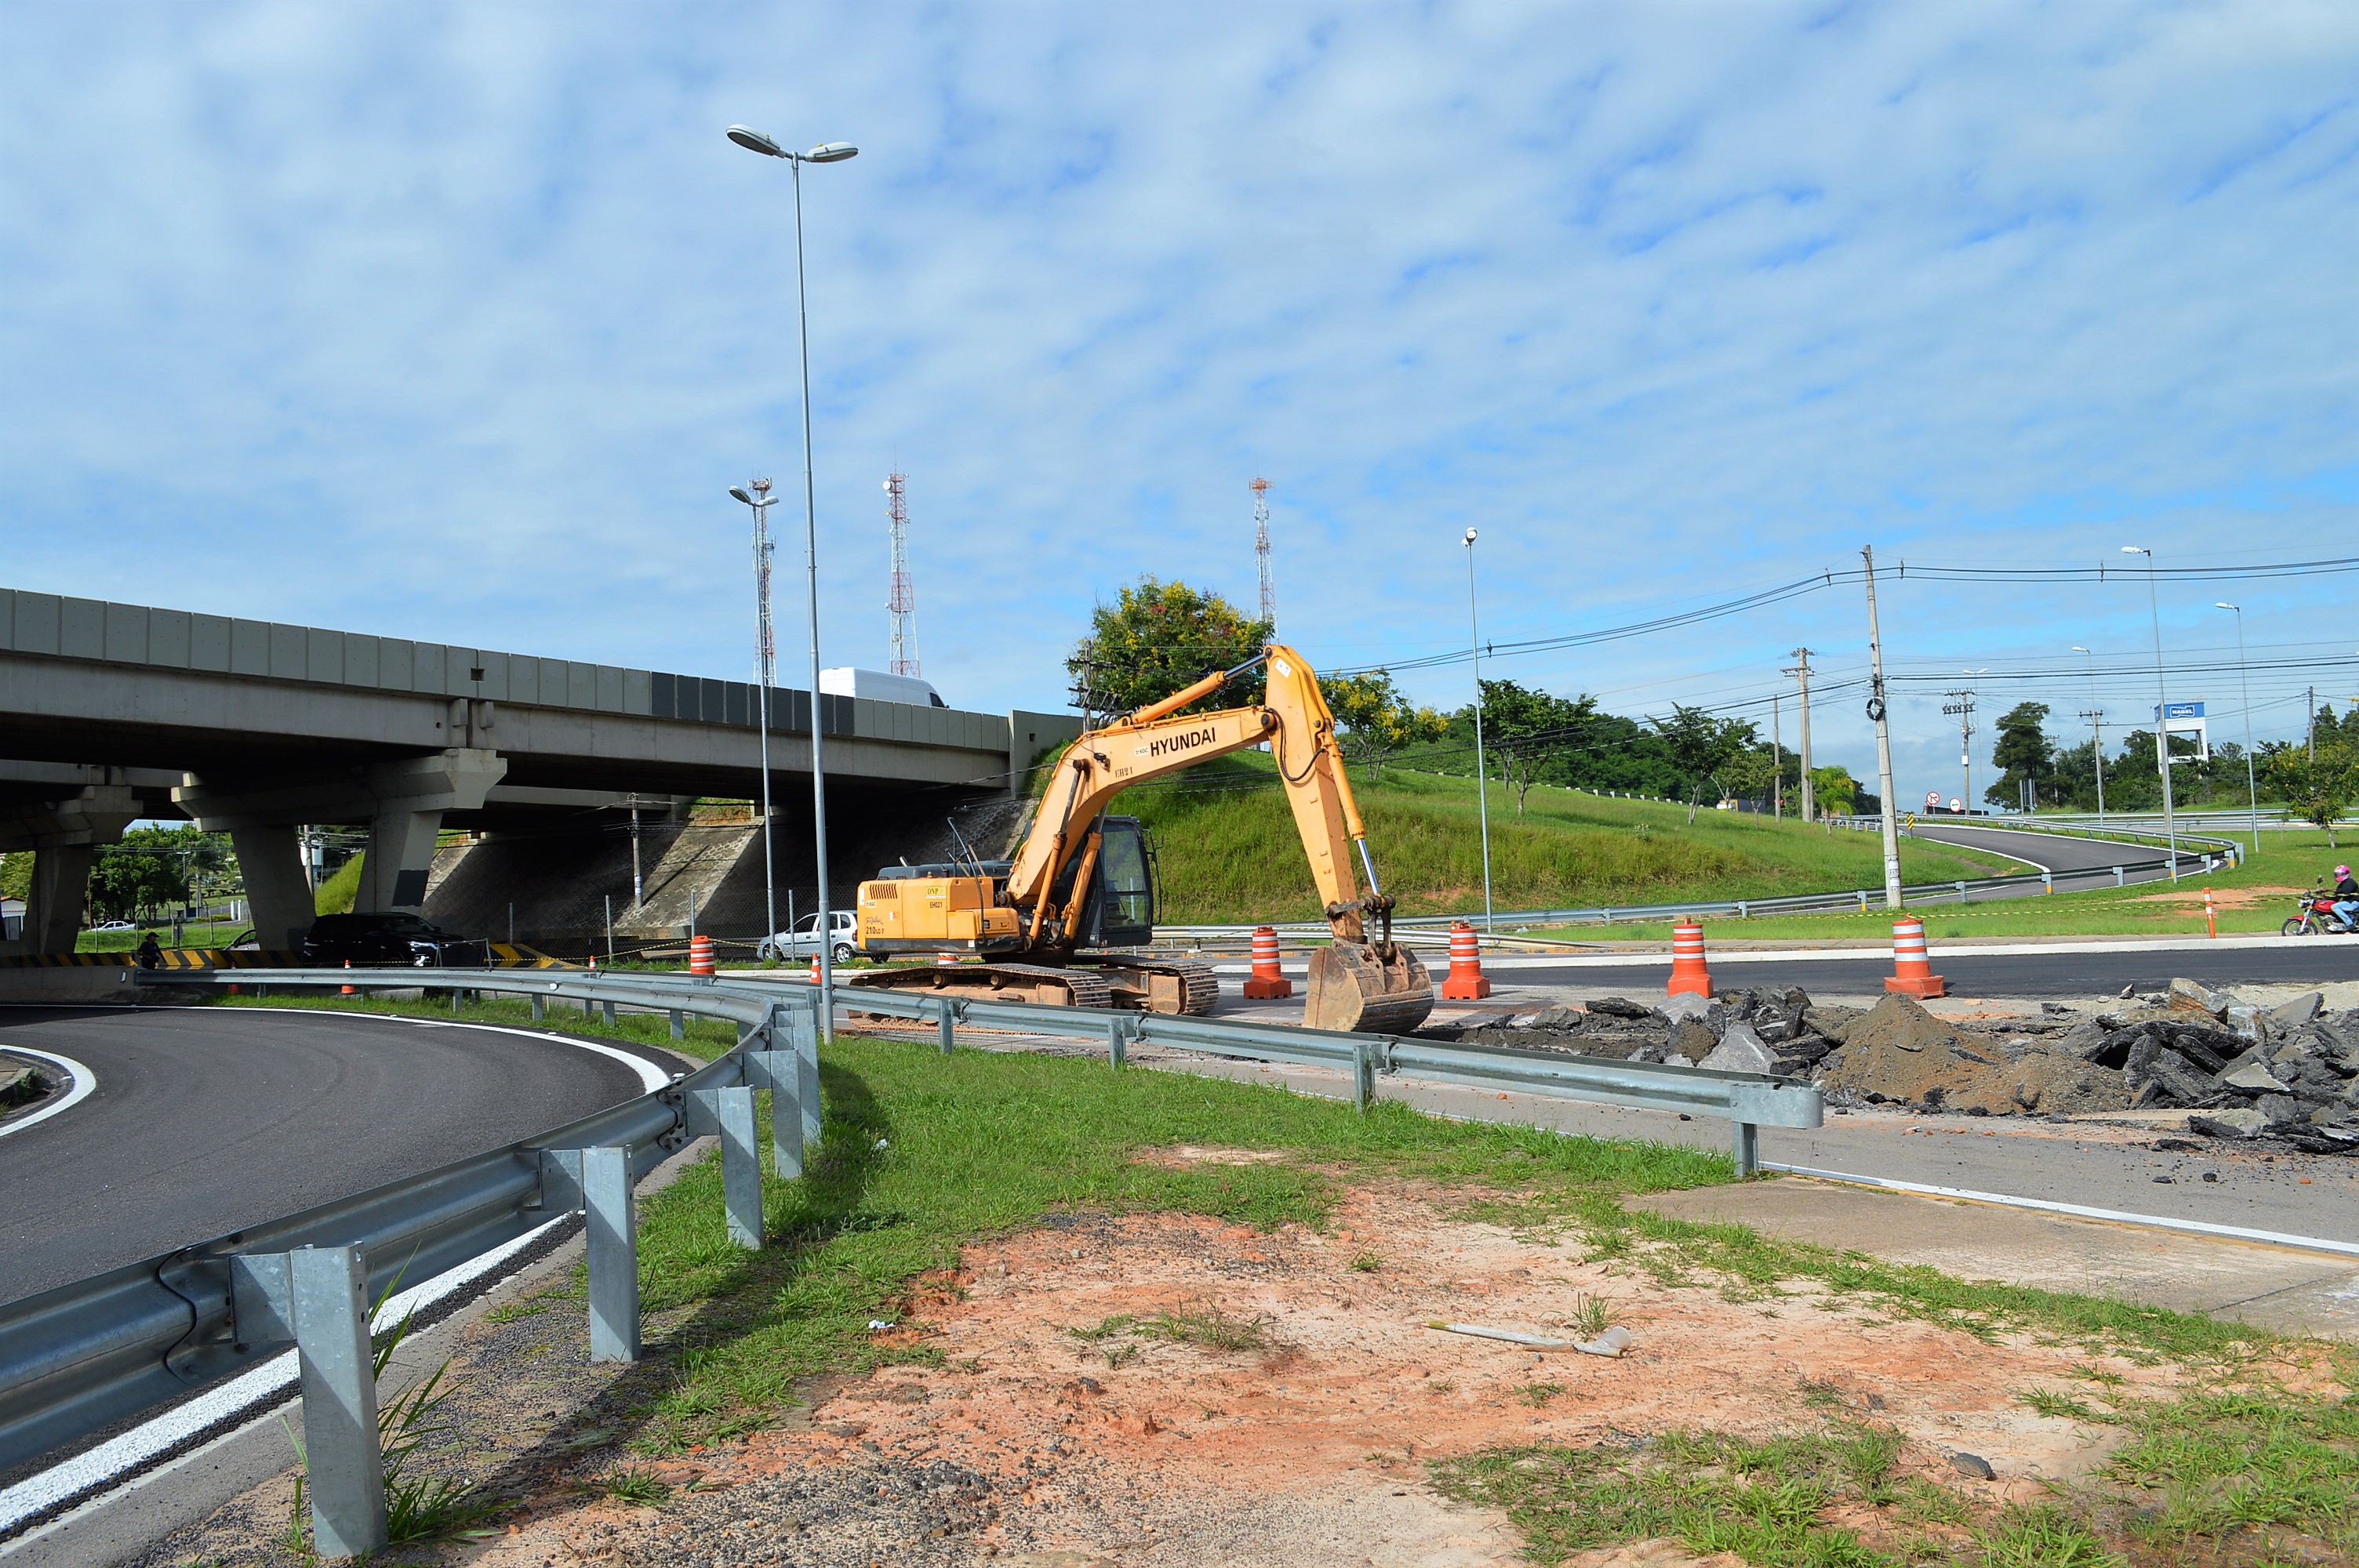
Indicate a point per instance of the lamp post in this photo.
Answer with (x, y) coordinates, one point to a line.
(2161, 707)
(2245, 679)
(1482, 775)
(829, 152)
(766, 669)
(2096, 717)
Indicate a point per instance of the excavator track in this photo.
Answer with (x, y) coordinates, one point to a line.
(1043, 983)
(1131, 985)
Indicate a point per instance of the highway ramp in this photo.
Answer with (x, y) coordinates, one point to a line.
(208, 1119)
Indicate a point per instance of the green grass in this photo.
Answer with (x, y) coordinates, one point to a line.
(2292, 860)
(924, 1156)
(193, 933)
(1233, 853)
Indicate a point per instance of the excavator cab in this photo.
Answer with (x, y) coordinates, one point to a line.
(1121, 908)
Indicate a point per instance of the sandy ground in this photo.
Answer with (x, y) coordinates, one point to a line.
(1038, 1447)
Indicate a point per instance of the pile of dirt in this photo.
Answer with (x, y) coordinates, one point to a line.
(1900, 1052)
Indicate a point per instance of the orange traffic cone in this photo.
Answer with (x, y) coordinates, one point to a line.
(814, 974)
(1266, 983)
(1689, 974)
(2211, 921)
(348, 990)
(699, 955)
(1466, 982)
(1912, 970)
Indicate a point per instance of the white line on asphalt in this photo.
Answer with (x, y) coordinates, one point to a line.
(112, 1458)
(2018, 859)
(651, 1077)
(84, 1081)
(2079, 1211)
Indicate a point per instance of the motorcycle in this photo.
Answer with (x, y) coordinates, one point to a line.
(2317, 918)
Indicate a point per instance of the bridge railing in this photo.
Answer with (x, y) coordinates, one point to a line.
(86, 1357)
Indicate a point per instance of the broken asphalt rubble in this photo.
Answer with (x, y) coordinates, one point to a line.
(2290, 1073)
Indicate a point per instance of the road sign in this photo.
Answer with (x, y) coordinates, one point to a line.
(1932, 800)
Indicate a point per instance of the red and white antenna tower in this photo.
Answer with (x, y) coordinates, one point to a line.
(903, 604)
(1261, 548)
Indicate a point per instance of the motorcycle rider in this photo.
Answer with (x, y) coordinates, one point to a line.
(2346, 897)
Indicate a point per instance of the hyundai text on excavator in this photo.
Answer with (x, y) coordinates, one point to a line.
(1046, 925)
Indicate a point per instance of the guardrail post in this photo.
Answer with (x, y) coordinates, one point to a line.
(1364, 1076)
(611, 1218)
(1862, 900)
(329, 1287)
(679, 1028)
(807, 1030)
(610, 1014)
(1961, 891)
(1117, 1041)
(741, 1167)
(1748, 1147)
(2046, 881)
(539, 1007)
(2117, 876)
(1742, 912)
(949, 1023)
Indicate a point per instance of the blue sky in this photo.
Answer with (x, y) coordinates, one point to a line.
(457, 321)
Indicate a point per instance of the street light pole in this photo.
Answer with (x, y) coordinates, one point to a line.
(1882, 740)
(830, 152)
(766, 667)
(2245, 679)
(2162, 707)
(1482, 774)
(2096, 718)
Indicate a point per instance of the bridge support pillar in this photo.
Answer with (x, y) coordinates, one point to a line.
(402, 802)
(64, 836)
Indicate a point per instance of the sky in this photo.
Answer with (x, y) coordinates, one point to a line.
(457, 321)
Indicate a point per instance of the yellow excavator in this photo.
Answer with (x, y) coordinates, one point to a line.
(1050, 925)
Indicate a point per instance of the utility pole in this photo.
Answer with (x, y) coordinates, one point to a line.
(1875, 712)
(1776, 765)
(1801, 671)
(2311, 725)
(1961, 702)
(638, 884)
(2096, 718)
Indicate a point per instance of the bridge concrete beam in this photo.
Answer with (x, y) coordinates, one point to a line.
(65, 837)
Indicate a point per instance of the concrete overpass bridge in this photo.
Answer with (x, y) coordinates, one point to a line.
(111, 713)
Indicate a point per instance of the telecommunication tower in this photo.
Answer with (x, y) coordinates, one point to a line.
(766, 645)
(903, 602)
(1261, 550)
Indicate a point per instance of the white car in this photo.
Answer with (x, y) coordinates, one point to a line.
(803, 942)
(116, 925)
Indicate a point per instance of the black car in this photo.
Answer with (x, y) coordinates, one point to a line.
(379, 939)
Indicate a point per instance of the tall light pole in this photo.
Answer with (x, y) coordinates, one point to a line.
(1482, 775)
(1875, 713)
(829, 152)
(2096, 718)
(766, 673)
(2161, 707)
(2245, 679)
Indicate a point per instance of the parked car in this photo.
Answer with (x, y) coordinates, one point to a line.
(803, 942)
(115, 925)
(380, 939)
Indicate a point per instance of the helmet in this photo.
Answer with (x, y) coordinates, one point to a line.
(2342, 871)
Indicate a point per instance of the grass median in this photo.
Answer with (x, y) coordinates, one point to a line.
(923, 1155)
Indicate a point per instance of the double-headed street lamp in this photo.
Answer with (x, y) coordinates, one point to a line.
(2161, 707)
(2245, 679)
(829, 152)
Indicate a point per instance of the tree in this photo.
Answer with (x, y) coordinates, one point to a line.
(16, 874)
(1157, 638)
(150, 869)
(1373, 720)
(1701, 745)
(2318, 792)
(1527, 727)
(1835, 791)
(2022, 753)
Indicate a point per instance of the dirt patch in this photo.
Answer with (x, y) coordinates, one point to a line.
(1172, 1390)
(2223, 898)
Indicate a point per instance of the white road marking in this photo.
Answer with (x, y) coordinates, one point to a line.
(2081, 1211)
(84, 1081)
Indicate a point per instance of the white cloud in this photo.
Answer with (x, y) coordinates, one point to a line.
(456, 321)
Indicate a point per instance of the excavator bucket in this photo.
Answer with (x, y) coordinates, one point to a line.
(1359, 987)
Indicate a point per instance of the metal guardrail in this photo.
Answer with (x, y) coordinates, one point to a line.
(84, 1357)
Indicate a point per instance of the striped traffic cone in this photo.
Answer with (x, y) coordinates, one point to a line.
(1266, 984)
(1688, 972)
(347, 989)
(1912, 970)
(699, 955)
(1466, 982)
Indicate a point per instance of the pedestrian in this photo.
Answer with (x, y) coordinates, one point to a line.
(151, 953)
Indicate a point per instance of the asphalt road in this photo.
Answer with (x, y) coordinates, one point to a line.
(2056, 853)
(208, 1119)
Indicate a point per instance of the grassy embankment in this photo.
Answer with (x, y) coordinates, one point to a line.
(2257, 896)
(1229, 849)
(924, 1156)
